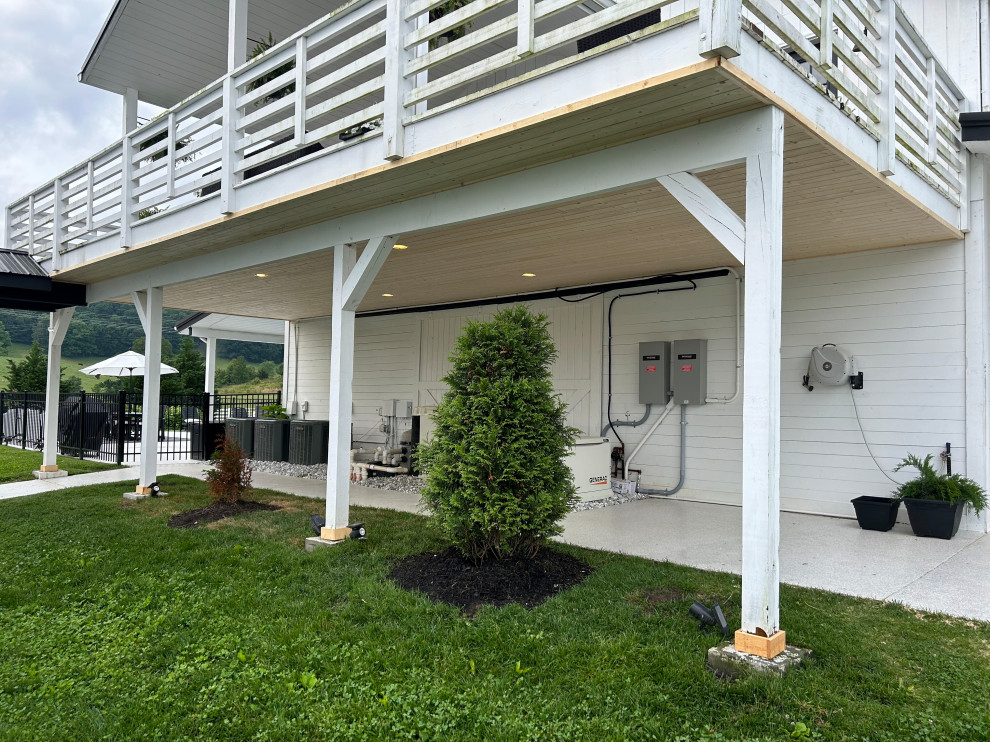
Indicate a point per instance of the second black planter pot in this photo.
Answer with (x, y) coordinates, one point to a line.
(876, 513)
(934, 518)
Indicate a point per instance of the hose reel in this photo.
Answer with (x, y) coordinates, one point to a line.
(831, 366)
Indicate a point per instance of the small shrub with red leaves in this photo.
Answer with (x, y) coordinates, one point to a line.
(230, 478)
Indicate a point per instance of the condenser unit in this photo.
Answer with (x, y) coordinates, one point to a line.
(241, 429)
(308, 441)
(271, 439)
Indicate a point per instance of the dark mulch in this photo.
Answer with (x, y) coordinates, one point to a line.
(449, 578)
(217, 511)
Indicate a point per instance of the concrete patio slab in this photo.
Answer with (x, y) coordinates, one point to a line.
(834, 554)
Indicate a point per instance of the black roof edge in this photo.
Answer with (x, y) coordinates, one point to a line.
(975, 126)
(26, 296)
(191, 320)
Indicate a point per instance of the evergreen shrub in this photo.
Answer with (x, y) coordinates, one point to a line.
(496, 481)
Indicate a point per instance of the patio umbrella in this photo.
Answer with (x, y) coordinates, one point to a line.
(128, 364)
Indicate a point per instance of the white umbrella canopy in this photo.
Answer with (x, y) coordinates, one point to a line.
(125, 364)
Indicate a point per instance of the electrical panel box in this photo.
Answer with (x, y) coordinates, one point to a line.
(397, 408)
(654, 366)
(689, 371)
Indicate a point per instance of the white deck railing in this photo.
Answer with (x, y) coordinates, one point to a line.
(343, 80)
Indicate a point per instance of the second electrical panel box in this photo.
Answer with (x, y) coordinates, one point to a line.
(689, 371)
(654, 366)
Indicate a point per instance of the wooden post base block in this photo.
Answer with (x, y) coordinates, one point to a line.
(335, 534)
(48, 467)
(142, 490)
(762, 646)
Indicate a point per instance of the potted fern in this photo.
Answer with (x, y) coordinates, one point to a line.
(935, 501)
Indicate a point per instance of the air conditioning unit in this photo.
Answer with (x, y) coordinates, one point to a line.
(241, 429)
(271, 439)
(308, 440)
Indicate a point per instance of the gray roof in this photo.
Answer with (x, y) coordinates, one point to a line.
(19, 263)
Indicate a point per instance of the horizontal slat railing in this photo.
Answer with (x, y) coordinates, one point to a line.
(373, 67)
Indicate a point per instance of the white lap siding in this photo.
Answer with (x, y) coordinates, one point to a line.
(899, 312)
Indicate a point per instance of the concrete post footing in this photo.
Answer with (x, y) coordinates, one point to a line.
(315, 542)
(51, 474)
(729, 663)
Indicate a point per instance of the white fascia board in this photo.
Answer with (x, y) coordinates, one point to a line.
(250, 337)
(714, 144)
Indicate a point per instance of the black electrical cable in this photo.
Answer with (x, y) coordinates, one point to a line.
(611, 304)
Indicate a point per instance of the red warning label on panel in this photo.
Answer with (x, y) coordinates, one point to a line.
(651, 369)
(687, 368)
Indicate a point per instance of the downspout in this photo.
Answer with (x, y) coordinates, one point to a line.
(680, 481)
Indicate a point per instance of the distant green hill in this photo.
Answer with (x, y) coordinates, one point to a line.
(105, 329)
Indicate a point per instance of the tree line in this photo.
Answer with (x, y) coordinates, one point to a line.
(106, 329)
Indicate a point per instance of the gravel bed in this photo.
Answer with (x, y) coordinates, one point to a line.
(405, 482)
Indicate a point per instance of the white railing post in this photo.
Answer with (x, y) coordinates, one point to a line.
(8, 228)
(57, 226)
(126, 188)
(397, 85)
(932, 110)
(721, 28)
(526, 27)
(300, 132)
(228, 152)
(825, 34)
(887, 146)
(90, 187)
(30, 234)
(170, 157)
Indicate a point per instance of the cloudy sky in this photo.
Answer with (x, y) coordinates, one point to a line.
(49, 121)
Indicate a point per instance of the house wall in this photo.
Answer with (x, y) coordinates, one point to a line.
(899, 312)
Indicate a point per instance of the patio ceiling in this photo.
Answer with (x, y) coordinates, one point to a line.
(830, 208)
(169, 49)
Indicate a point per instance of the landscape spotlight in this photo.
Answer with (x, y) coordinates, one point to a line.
(712, 617)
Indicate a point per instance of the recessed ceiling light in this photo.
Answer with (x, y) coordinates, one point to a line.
(261, 275)
(529, 275)
(400, 247)
(386, 294)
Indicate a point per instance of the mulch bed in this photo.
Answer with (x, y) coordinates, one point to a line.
(217, 511)
(449, 578)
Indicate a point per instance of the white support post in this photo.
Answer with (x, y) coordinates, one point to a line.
(977, 297)
(397, 85)
(211, 372)
(932, 111)
(30, 234)
(285, 365)
(150, 311)
(351, 279)
(170, 156)
(526, 27)
(761, 395)
(887, 100)
(130, 118)
(237, 40)
(57, 326)
(90, 187)
(721, 28)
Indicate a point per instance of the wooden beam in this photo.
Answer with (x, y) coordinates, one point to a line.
(721, 28)
(705, 206)
(761, 384)
(129, 120)
(237, 23)
(887, 145)
(397, 85)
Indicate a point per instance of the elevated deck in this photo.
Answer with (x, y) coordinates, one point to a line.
(383, 102)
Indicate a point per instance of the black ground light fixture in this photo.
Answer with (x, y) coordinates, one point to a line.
(317, 522)
(155, 489)
(709, 617)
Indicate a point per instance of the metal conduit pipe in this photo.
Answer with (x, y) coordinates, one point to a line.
(735, 394)
(680, 481)
(663, 416)
(628, 423)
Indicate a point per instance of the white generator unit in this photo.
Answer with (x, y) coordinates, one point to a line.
(591, 464)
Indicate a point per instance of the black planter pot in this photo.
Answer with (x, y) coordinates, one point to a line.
(934, 518)
(876, 513)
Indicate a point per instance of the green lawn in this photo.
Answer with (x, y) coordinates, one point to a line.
(71, 366)
(114, 627)
(18, 465)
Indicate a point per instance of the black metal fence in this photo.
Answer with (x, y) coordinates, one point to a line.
(108, 427)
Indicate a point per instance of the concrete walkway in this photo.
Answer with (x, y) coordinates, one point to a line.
(834, 554)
